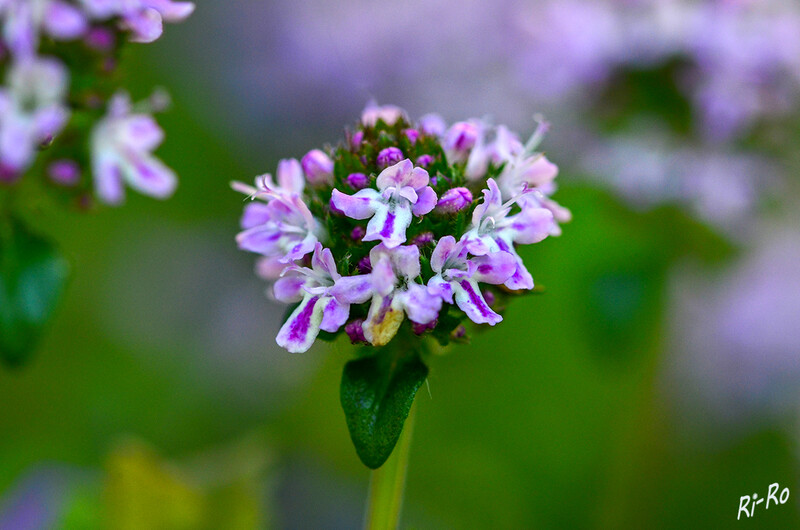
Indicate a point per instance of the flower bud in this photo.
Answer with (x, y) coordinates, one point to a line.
(356, 139)
(389, 156)
(422, 239)
(432, 125)
(454, 200)
(355, 330)
(318, 167)
(389, 114)
(412, 135)
(357, 181)
(489, 297)
(358, 233)
(424, 160)
(65, 172)
(460, 138)
(364, 265)
(419, 329)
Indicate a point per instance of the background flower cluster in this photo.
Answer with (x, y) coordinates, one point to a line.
(65, 117)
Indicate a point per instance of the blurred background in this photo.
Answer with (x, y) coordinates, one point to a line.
(654, 383)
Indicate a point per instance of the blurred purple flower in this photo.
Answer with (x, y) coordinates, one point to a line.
(32, 109)
(121, 153)
(24, 20)
(144, 18)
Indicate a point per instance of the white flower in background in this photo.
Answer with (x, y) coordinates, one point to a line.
(32, 109)
(122, 144)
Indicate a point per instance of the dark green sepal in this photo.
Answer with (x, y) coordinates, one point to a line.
(377, 393)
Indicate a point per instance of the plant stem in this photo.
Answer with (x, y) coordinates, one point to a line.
(387, 484)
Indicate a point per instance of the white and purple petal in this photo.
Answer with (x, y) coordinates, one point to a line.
(302, 327)
(469, 299)
(362, 205)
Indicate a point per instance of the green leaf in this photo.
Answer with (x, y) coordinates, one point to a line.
(377, 393)
(33, 275)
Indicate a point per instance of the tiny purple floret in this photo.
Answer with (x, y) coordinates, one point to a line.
(355, 330)
(358, 233)
(357, 181)
(454, 200)
(389, 156)
(424, 160)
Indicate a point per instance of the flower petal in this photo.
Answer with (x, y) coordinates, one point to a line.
(301, 328)
(426, 201)
(443, 250)
(64, 21)
(531, 225)
(290, 175)
(146, 25)
(395, 175)
(150, 176)
(255, 214)
(383, 321)
(289, 289)
(141, 132)
(322, 261)
(494, 268)
(359, 206)
(440, 287)
(108, 180)
(353, 289)
(389, 223)
(334, 314)
(421, 306)
(470, 300)
(261, 239)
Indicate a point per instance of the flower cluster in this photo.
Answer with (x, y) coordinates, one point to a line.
(61, 92)
(737, 60)
(400, 222)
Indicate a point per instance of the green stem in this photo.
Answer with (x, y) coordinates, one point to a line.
(387, 484)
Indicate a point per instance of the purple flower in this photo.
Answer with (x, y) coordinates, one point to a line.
(373, 112)
(357, 181)
(393, 291)
(24, 20)
(457, 277)
(424, 160)
(493, 230)
(389, 156)
(144, 18)
(318, 308)
(283, 230)
(454, 200)
(432, 125)
(403, 192)
(121, 145)
(412, 135)
(318, 167)
(355, 331)
(459, 140)
(32, 109)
